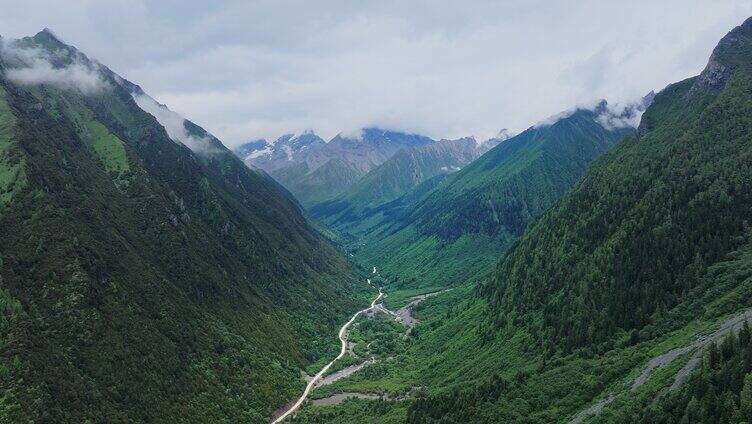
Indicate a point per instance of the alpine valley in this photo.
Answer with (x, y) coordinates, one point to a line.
(595, 267)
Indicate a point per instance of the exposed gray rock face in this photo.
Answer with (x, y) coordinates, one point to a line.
(461, 151)
(720, 64)
(713, 76)
(373, 147)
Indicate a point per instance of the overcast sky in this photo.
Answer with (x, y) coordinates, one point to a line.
(250, 69)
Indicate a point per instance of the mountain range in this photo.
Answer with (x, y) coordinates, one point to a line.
(316, 171)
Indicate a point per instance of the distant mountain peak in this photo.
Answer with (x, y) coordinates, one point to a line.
(647, 99)
(295, 142)
(309, 167)
(306, 136)
(600, 106)
(348, 135)
(49, 39)
(47, 33)
(308, 132)
(378, 136)
(458, 140)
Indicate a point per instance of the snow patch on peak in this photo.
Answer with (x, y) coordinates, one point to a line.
(266, 151)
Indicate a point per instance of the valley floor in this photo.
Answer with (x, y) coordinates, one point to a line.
(287, 410)
(338, 369)
(424, 348)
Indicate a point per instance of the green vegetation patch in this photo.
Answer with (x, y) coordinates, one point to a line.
(355, 411)
(109, 148)
(415, 261)
(12, 176)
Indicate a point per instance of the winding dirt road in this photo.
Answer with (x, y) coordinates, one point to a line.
(343, 340)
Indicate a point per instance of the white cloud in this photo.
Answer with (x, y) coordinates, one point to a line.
(31, 66)
(174, 124)
(450, 69)
(625, 114)
(566, 114)
(352, 133)
(621, 115)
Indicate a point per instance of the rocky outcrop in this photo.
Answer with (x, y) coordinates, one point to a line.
(722, 60)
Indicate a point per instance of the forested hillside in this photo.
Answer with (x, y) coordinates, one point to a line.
(143, 281)
(632, 239)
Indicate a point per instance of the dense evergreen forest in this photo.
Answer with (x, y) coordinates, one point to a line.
(632, 238)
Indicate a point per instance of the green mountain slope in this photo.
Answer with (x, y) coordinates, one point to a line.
(633, 236)
(458, 229)
(141, 281)
(326, 181)
(395, 177)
